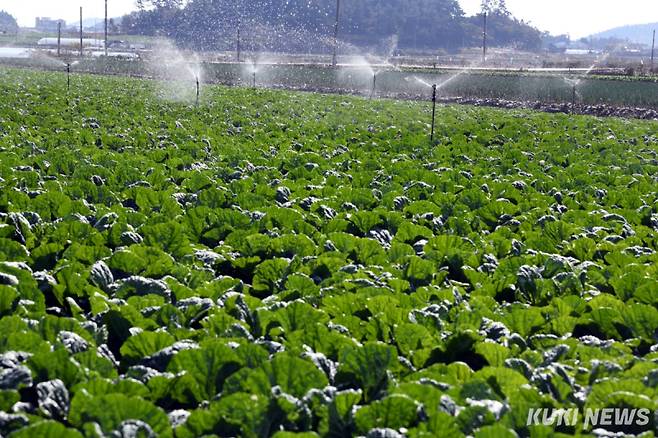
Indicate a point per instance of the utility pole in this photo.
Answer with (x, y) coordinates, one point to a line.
(239, 49)
(59, 38)
(653, 48)
(80, 31)
(334, 59)
(484, 39)
(105, 28)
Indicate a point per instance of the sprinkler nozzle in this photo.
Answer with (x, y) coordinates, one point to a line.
(197, 90)
(433, 112)
(573, 99)
(254, 75)
(68, 77)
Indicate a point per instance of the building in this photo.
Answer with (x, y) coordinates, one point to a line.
(45, 24)
(70, 43)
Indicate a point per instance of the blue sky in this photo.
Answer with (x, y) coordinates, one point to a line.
(575, 17)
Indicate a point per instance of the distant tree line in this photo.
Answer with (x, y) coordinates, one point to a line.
(303, 25)
(8, 24)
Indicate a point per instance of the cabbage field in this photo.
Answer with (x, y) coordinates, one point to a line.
(519, 86)
(285, 264)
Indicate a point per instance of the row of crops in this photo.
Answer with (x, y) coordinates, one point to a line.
(618, 91)
(296, 265)
(519, 87)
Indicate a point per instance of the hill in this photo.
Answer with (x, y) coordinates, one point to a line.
(638, 33)
(308, 25)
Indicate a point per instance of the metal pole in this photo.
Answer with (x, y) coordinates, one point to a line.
(68, 77)
(334, 59)
(59, 38)
(484, 39)
(254, 74)
(239, 48)
(197, 91)
(80, 30)
(106, 28)
(573, 100)
(653, 48)
(433, 112)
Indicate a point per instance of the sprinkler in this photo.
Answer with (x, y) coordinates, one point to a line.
(68, 77)
(374, 84)
(433, 112)
(254, 78)
(197, 90)
(573, 99)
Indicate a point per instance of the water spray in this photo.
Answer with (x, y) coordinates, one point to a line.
(573, 98)
(433, 112)
(374, 84)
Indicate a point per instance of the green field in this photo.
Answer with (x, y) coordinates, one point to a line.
(624, 91)
(300, 265)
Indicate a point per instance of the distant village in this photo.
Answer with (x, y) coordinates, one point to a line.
(69, 37)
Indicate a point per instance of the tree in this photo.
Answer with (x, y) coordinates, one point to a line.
(159, 4)
(507, 31)
(113, 28)
(8, 23)
(307, 25)
(495, 7)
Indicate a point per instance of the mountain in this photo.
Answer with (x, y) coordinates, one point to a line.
(637, 33)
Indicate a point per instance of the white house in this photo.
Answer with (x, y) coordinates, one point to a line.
(71, 43)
